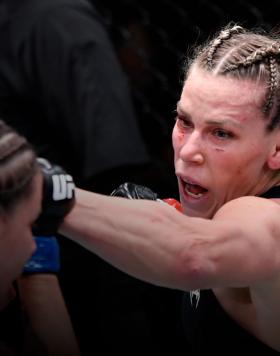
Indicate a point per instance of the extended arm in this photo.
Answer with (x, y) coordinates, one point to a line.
(155, 243)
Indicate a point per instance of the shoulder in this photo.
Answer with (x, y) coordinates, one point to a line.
(248, 231)
(251, 208)
(256, 218)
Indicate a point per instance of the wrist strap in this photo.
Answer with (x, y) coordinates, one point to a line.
(46, 258)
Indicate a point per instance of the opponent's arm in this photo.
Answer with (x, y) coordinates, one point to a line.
(46, 315)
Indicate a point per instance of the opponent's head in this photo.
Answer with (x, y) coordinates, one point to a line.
(20, 203)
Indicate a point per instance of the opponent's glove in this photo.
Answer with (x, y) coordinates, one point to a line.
(135, 191)
(58, 198)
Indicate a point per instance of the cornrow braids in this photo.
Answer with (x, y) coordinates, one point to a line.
(18, 166)
(272, 84)
(259, 55)
(217, 42)
(246, 55)
(266, 55)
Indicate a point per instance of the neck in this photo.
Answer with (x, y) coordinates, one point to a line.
(267, 183)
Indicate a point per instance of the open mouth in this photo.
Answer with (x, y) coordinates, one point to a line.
(194, 190)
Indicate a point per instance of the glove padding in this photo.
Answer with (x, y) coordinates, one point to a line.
(134, 191)
(58, 198)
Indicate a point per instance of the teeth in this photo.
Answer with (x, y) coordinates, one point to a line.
(194, 190)
(197, 196)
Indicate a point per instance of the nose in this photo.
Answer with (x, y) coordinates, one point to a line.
(192, 149)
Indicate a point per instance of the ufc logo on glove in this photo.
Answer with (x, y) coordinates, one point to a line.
(63, 187)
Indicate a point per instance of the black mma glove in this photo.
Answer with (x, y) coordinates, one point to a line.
(58, 198)
(135, 191)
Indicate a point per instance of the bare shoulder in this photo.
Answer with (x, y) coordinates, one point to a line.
(251, 202)
(258, 222)
(254, 210)
(260, 218)
(247, 236)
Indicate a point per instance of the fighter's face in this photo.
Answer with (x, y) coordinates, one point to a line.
(16, 241)
(220, 143)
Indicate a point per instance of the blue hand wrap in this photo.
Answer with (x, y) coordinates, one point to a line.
(46, 257)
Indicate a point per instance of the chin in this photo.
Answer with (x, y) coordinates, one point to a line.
(198, 210)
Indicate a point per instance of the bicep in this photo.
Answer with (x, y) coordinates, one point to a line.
(247, 251)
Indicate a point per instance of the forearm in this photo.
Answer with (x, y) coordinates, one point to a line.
(136, 237)
(154, 242)
(45, 310)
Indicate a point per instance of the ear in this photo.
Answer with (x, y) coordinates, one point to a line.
(273, 159)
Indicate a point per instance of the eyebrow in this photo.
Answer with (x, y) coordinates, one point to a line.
(184, 113)
(223, 122)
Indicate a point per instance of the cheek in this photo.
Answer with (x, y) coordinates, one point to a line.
(27, 243)
(177, 139)
(239, 165)
(30, 243)
(226, 166)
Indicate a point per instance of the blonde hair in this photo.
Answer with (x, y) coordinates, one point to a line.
(18, 166)
(245, 54)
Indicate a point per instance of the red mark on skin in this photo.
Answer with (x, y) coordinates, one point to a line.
(239, 170)
(180, 137)
(220, 150)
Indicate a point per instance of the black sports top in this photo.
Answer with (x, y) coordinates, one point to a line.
(210, 330)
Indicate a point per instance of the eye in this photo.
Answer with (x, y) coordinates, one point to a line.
(222, 134)
(183, 123)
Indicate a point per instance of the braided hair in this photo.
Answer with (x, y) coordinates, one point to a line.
(245, 54)
(18, 166)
